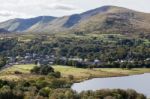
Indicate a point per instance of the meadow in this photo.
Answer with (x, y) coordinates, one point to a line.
(77, 73)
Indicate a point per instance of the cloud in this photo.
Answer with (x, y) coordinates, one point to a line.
(57, 6)
(3, 14)
(12, 14)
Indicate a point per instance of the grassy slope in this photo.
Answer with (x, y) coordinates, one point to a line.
(9, 74)
(103, 37)
(22, 68)
(100, 72)
(79, 73)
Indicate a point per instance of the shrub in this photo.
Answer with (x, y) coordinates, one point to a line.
(55, 74)
(45, 91)
(17, 72)
(71, 77)
(42, 70)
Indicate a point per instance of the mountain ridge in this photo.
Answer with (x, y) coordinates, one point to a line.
(102, 19)
(19, 24)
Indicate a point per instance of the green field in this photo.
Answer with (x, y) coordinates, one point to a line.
(55, 37)
(21, 68)
(98, 72)
(9, 73)
(78, 73)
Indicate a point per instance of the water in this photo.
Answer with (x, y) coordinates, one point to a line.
(140, 83)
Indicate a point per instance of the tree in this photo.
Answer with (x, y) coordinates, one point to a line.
(123, 65)
(42, 70)
(129, 66)
(2, 62)
(45, 69)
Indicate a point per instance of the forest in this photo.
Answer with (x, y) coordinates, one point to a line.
(113, 50)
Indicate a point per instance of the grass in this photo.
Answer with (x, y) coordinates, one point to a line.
(133, 71)
(8, 73)
(98, 72)
(21, 68)
(78, 73)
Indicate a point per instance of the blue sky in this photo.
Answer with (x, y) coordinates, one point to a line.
(30, 8)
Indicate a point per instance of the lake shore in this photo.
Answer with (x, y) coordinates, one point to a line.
(125, 83)
(79, 74)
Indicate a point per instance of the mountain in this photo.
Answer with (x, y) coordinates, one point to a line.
(3, 31)
(21, 25)
(103, 19)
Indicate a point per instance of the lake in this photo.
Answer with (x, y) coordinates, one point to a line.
(140, 83)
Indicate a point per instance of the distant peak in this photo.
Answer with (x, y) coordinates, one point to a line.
(103, 9)
(111, 7)
(97, 10)
(107, 8)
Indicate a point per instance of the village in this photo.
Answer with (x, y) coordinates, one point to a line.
(33, 58)
(45, 59)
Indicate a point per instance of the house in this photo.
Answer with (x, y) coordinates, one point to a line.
(76, 59)
(148, 59)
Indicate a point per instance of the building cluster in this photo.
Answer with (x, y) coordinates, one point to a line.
(30, 58)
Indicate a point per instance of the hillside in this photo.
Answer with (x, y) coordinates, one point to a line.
(21, 25)
(3, 30)
(103, 19)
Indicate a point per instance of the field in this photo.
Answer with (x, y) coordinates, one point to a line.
(22, 68)
(55, 37)
(98, 72)
(78, 73)
(9, 73)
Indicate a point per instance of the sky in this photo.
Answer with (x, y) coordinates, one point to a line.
(10, 9)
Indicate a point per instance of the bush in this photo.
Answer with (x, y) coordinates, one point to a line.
(35, 70)
(17, 72)
(58, 83)
(7, 93)
(55, 74)
(45, 91)
(71, 77)
(2, 62)
(42, 70)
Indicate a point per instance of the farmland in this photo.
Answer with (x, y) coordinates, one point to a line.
(78, 73)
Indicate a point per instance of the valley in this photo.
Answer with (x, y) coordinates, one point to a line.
(44, 56)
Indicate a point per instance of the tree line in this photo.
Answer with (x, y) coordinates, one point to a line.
(110, 51)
